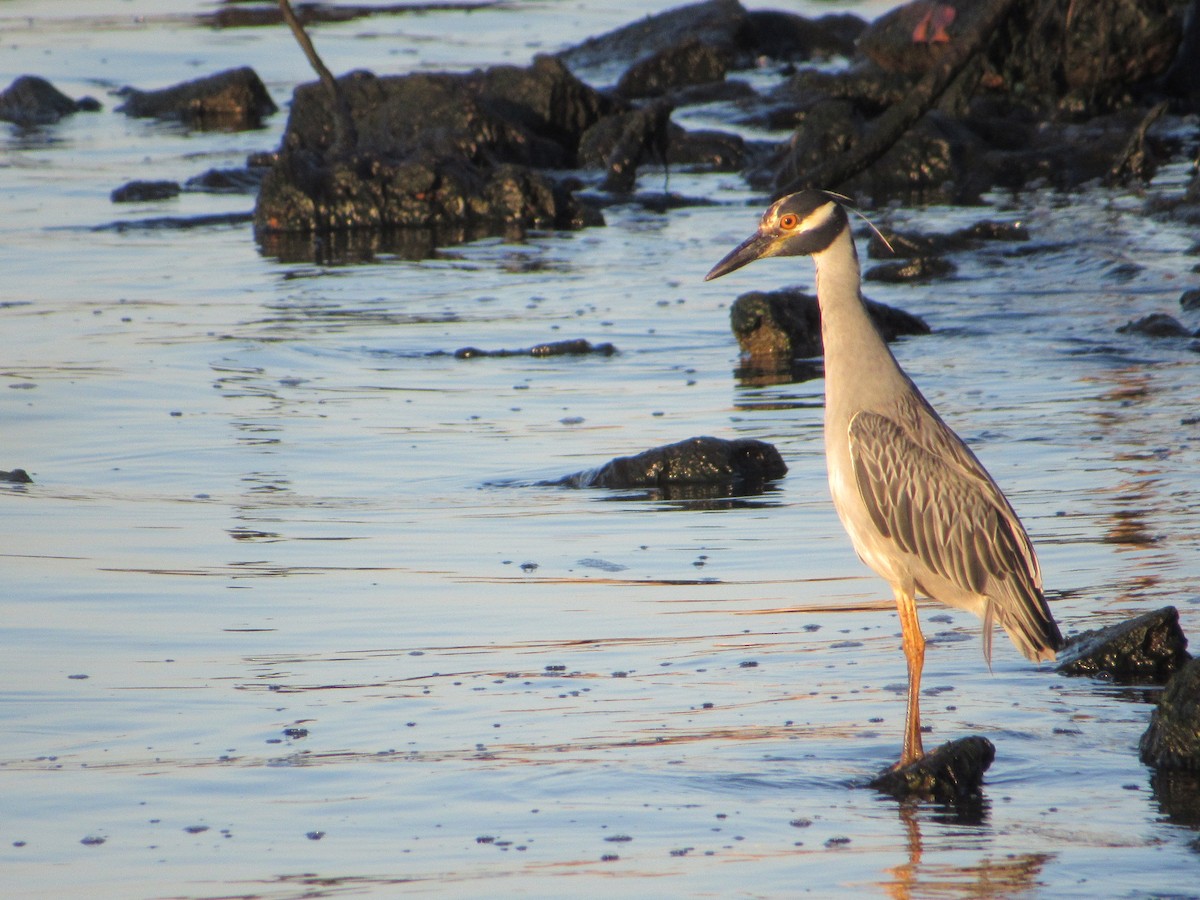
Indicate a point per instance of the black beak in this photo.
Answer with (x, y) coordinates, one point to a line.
(754, 247)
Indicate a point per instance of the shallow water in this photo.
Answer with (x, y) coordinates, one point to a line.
(285, 617)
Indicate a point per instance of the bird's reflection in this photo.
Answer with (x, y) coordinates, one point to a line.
(988, 876)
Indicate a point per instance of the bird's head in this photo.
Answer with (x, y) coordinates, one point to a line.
(799, 224)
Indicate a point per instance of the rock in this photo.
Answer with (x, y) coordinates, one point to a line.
(742, 465)
(1146, 649)
(911, 245)
(786, 36)
(226, 181)
(785, 325)
(1190, 300)
(1156, 325)
(920, 268)
(16, 476)
(145, 191)
(1172, 741)
(434, 151)
(577, 347)
(953, 773)
(688, 63)
(1043, 54)
(31, 100)
(233, 100)
(719, 24)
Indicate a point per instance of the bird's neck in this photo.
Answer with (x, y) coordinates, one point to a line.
(857, 360)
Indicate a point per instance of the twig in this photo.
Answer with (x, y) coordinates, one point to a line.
(345, 135)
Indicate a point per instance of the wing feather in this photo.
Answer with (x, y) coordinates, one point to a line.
(926, 491)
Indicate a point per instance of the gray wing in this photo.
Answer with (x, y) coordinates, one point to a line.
(926, 491)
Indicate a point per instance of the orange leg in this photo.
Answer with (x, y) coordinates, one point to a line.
(914, 652)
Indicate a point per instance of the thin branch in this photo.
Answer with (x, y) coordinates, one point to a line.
(345, 135)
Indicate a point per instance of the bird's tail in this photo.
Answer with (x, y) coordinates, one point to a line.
(1030, 626)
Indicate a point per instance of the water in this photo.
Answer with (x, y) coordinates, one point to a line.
(281, 620)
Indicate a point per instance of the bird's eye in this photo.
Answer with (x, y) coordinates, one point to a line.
(789, 221)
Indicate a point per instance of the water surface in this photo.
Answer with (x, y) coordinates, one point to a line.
(284, 615)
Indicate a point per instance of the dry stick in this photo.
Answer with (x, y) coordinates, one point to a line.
(345, 136)
(892, 125)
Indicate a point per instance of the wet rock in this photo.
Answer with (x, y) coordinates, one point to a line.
(432, 151)
(779, 326)
(226, 181)
(910, 245)
(953, 773)
(688, 63)
(31, 100)
(145, 191)
(713, 150)
(576, 347)
(248, 14)
(951, 99)
(233, 100)
(1172, 741)
(1146, 649)
(1043, 53)
(920, 268)
(16, 476)
(1190, 300)
(1156, 325)
(786, 36)
(718, 24)
(743, 464)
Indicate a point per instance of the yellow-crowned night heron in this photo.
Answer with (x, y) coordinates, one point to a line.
(918, 506)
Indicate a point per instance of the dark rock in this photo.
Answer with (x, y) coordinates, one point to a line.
(16, 476)
(1156, 325)
(1172, 742)
(688, 63)
(226, 181)
(936, 160)
(145, 191)
(1044, 54)
(720, 24)
(911, 245)
(786, 36)
(1182, 79)
(744, 464)
(1190, 300)
(1146, 649)
(577, 347)
(920, 268)
(434, 151)
(713, 150)
(31, 100)
(786, 324)
(232, 100)
(953, 773)
(621, 143)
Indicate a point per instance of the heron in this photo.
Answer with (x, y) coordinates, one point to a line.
(920, 509)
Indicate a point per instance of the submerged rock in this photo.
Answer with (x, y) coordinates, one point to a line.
(952, 773)
(576, 347)
(16, 476)
(919, 268)
(785, 324)
(31, 100)
(1156, 325)
(143, 191)
(234, 100)
(1172, 742)
(743, 464)
(1147, 649)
